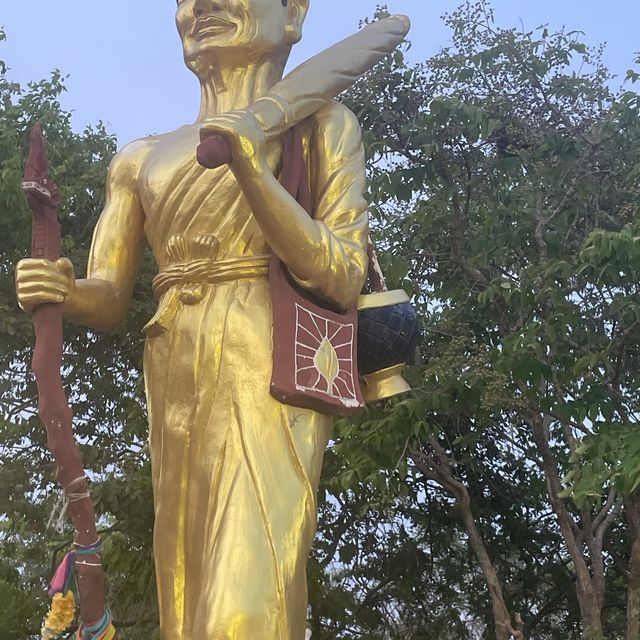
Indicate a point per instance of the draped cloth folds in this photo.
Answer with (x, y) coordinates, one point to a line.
(235, 472)
(234, 476)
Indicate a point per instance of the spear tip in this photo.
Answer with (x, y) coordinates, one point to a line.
(36, 183)
(37, 166)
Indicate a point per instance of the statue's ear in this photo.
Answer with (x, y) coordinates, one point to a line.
(297, 12)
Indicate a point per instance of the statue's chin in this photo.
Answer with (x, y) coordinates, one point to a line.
(204, 65)
(203, 62)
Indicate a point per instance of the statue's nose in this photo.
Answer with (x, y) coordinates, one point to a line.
(204, 7)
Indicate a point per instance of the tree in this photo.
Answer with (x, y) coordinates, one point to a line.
(102, 374)
(502, 176)
(500, 499)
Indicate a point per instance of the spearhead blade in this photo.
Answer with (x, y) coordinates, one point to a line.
(37, 166)
(36, 183)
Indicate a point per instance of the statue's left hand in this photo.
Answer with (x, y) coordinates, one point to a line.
(245, 137)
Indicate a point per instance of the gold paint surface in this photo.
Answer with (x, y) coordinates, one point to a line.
(385, 383)
(382, 299)
(234, 471)
(326, 361)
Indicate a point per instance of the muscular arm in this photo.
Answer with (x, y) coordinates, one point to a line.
(337, 268)
(101, 300)
(327, 254)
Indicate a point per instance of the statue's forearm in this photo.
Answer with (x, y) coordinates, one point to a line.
(287, 227)
(98, 304)
(325, 255)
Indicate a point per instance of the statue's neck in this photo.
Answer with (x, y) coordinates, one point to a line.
(230, 87)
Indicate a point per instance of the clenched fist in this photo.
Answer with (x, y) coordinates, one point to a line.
(246, 139)
(43, 281)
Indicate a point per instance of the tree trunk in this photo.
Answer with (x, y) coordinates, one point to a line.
(501, 615)
(633, 593)
(590, 604)
(439, 469)
(632, 512)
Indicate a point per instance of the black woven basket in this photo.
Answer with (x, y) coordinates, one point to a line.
(388, 334)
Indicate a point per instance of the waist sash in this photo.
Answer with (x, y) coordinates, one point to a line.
(186, 282)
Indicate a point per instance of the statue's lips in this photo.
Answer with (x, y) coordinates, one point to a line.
(210, 26)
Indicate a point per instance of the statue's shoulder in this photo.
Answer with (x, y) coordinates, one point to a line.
(334, 116)
(333, 126)
(128, 162)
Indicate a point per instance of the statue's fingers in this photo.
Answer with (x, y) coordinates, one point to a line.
(34, 263)
(29, 302)
(225, 132)
(43, 298)
(65, 266)
(222, 125)
(39, 270)
(43, 277)
(42, 289)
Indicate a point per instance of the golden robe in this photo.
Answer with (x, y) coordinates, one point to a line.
(235, 472)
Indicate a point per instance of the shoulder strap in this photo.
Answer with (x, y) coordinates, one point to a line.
(294, 176)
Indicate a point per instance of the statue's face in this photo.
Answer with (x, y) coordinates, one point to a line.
(248, 30)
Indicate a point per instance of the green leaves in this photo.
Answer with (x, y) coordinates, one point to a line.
(505, 179)
(505, 190)
(610, 457)
(102, 374)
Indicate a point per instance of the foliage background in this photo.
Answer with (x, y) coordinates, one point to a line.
(504, 189)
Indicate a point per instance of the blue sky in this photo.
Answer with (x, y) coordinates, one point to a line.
(125, 63)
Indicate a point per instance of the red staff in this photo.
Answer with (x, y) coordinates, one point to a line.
(56, 414)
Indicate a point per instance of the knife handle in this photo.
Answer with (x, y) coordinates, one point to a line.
(214, 152)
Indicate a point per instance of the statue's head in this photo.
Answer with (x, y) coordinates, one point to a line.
(240, 31)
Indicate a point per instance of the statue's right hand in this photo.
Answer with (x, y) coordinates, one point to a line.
(43, 281)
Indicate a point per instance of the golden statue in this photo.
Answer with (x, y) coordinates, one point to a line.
(235, 472)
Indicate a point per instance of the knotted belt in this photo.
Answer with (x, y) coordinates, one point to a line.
(185, 282)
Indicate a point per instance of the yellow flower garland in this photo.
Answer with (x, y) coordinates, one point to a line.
(61, 615)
